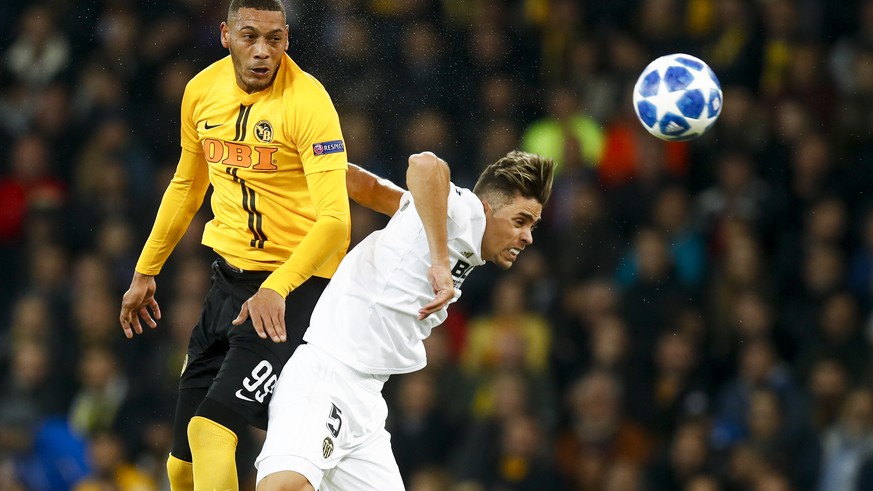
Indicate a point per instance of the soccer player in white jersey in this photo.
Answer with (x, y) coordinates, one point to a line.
(327, 417)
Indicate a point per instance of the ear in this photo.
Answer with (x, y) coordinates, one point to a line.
(287, 37)
(225, 35)
(487, 206)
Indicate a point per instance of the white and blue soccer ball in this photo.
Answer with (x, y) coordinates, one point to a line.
(677, 97)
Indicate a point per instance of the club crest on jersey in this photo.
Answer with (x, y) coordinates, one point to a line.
(325, 148)
(264, 131)
(327, 447)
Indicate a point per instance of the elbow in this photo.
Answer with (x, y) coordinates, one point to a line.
(427, 167)
(335, 225)
(423, 161)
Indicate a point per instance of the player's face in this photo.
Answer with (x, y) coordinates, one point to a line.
(509, 229)
(256, 40)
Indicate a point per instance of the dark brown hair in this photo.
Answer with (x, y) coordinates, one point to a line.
(527, 174)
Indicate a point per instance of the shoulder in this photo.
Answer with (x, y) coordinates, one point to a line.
(206, 79)
(464, 207)
(307, 107)
(465, 199)
(303, 86)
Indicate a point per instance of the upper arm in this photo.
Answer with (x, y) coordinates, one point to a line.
(190, 139)
(428, 180)
(191, 166)
(426, 171)
(315, 130)
(191, 175)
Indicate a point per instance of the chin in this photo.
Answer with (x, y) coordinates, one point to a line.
(504, 265)
(257, 85)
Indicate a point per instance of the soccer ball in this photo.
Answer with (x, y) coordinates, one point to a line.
(677, 97)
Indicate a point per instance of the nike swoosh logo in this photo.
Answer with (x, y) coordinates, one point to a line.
(241, 396)
(207, 126)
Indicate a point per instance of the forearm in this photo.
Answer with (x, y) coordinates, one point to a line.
(428, 179)
(328, 236)
(181, 201)
(372, 191)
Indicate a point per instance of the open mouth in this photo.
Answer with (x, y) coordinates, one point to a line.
(260, 71)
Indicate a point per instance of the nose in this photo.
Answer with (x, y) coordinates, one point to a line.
(261, 52)
(527, 236)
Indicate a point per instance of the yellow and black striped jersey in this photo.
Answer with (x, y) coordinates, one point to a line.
(258, 150)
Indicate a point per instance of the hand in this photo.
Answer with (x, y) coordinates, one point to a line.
(267, 310)
(136, 303)
(443, 287)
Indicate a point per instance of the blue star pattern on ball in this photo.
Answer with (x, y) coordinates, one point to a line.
(677, 97)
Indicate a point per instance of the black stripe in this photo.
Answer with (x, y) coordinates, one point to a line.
(259, 226)
(249, 199)
(245, 122)
(239, 118)
(248, 204)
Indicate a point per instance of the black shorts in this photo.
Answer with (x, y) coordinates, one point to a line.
(239, 368)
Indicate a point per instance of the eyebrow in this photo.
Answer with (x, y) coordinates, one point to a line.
(530, 217)
(269, 33)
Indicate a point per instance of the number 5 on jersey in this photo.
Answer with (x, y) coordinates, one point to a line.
(334, 420)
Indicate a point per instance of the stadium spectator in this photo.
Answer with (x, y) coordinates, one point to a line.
(111, 468)
(597, 431)
(421, 433)
(849, 443)
(681, 463)
(39, 52)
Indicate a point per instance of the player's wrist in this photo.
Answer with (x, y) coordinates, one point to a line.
(137, 276)
(276, 286)
(441, 261)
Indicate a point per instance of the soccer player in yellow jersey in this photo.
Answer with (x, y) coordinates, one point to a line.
(266, 136)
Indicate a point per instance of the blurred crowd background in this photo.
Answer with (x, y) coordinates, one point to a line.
(692, 316)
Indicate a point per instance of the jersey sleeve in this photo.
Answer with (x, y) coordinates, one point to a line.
(328, 236)
(316, 130)
(181, 201)
(458, 211)
(190, 140)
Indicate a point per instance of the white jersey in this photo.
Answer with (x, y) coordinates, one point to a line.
(367, 316)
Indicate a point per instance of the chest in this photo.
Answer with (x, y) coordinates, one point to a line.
(250, 137)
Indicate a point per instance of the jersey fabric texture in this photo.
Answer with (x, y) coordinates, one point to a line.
(368, 315)
(260, 152)
(364, 328)
(327, 422)
(239, 368)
